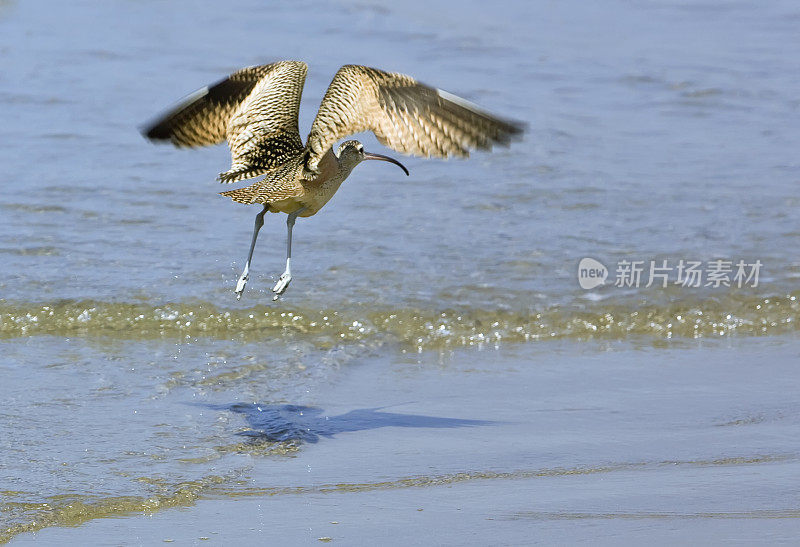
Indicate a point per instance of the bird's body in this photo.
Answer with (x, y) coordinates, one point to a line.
(286, 190)
(256, 110)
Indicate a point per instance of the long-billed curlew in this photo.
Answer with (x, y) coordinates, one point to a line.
(256, 109)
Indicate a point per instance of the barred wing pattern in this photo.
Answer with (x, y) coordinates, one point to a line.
(405, 115)
(255, 108)
(281, 183)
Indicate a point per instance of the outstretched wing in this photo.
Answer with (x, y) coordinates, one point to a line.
(405, 115)
(255, 109)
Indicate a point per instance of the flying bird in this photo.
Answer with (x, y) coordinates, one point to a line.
(256, 110)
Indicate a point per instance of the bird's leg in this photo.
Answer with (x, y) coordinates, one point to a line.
(246, 273)
(286, 278)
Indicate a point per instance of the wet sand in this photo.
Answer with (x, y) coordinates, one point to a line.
(612, 442)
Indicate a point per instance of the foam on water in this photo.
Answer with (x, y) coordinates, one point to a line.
(418, 328)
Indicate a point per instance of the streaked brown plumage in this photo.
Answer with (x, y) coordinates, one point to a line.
(256, 110)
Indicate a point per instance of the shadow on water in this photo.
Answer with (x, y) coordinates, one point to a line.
(280, 423)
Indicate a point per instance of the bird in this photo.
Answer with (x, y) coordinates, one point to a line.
(256, 110)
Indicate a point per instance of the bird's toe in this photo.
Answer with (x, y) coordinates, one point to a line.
(282, 284)
(240, 286)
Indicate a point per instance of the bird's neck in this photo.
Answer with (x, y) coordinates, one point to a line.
(330, 167)
(344, 170)
(333, 170)
(343, 167)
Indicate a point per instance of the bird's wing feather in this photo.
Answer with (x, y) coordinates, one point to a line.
(255, 109)
(405, 115)
(279, 184)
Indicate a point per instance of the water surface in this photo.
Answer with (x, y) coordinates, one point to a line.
(446, 301)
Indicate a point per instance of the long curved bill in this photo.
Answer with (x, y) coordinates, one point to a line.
(381, 157)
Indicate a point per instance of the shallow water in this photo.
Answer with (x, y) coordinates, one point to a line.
(657, 131)
(588, 444)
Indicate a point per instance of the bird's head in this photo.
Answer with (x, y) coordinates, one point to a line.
(351, 153)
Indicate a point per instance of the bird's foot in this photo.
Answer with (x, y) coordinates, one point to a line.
(282, 284)
(240, 285)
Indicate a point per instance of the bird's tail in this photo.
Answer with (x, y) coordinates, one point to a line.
(241, 195)
(241, 171)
